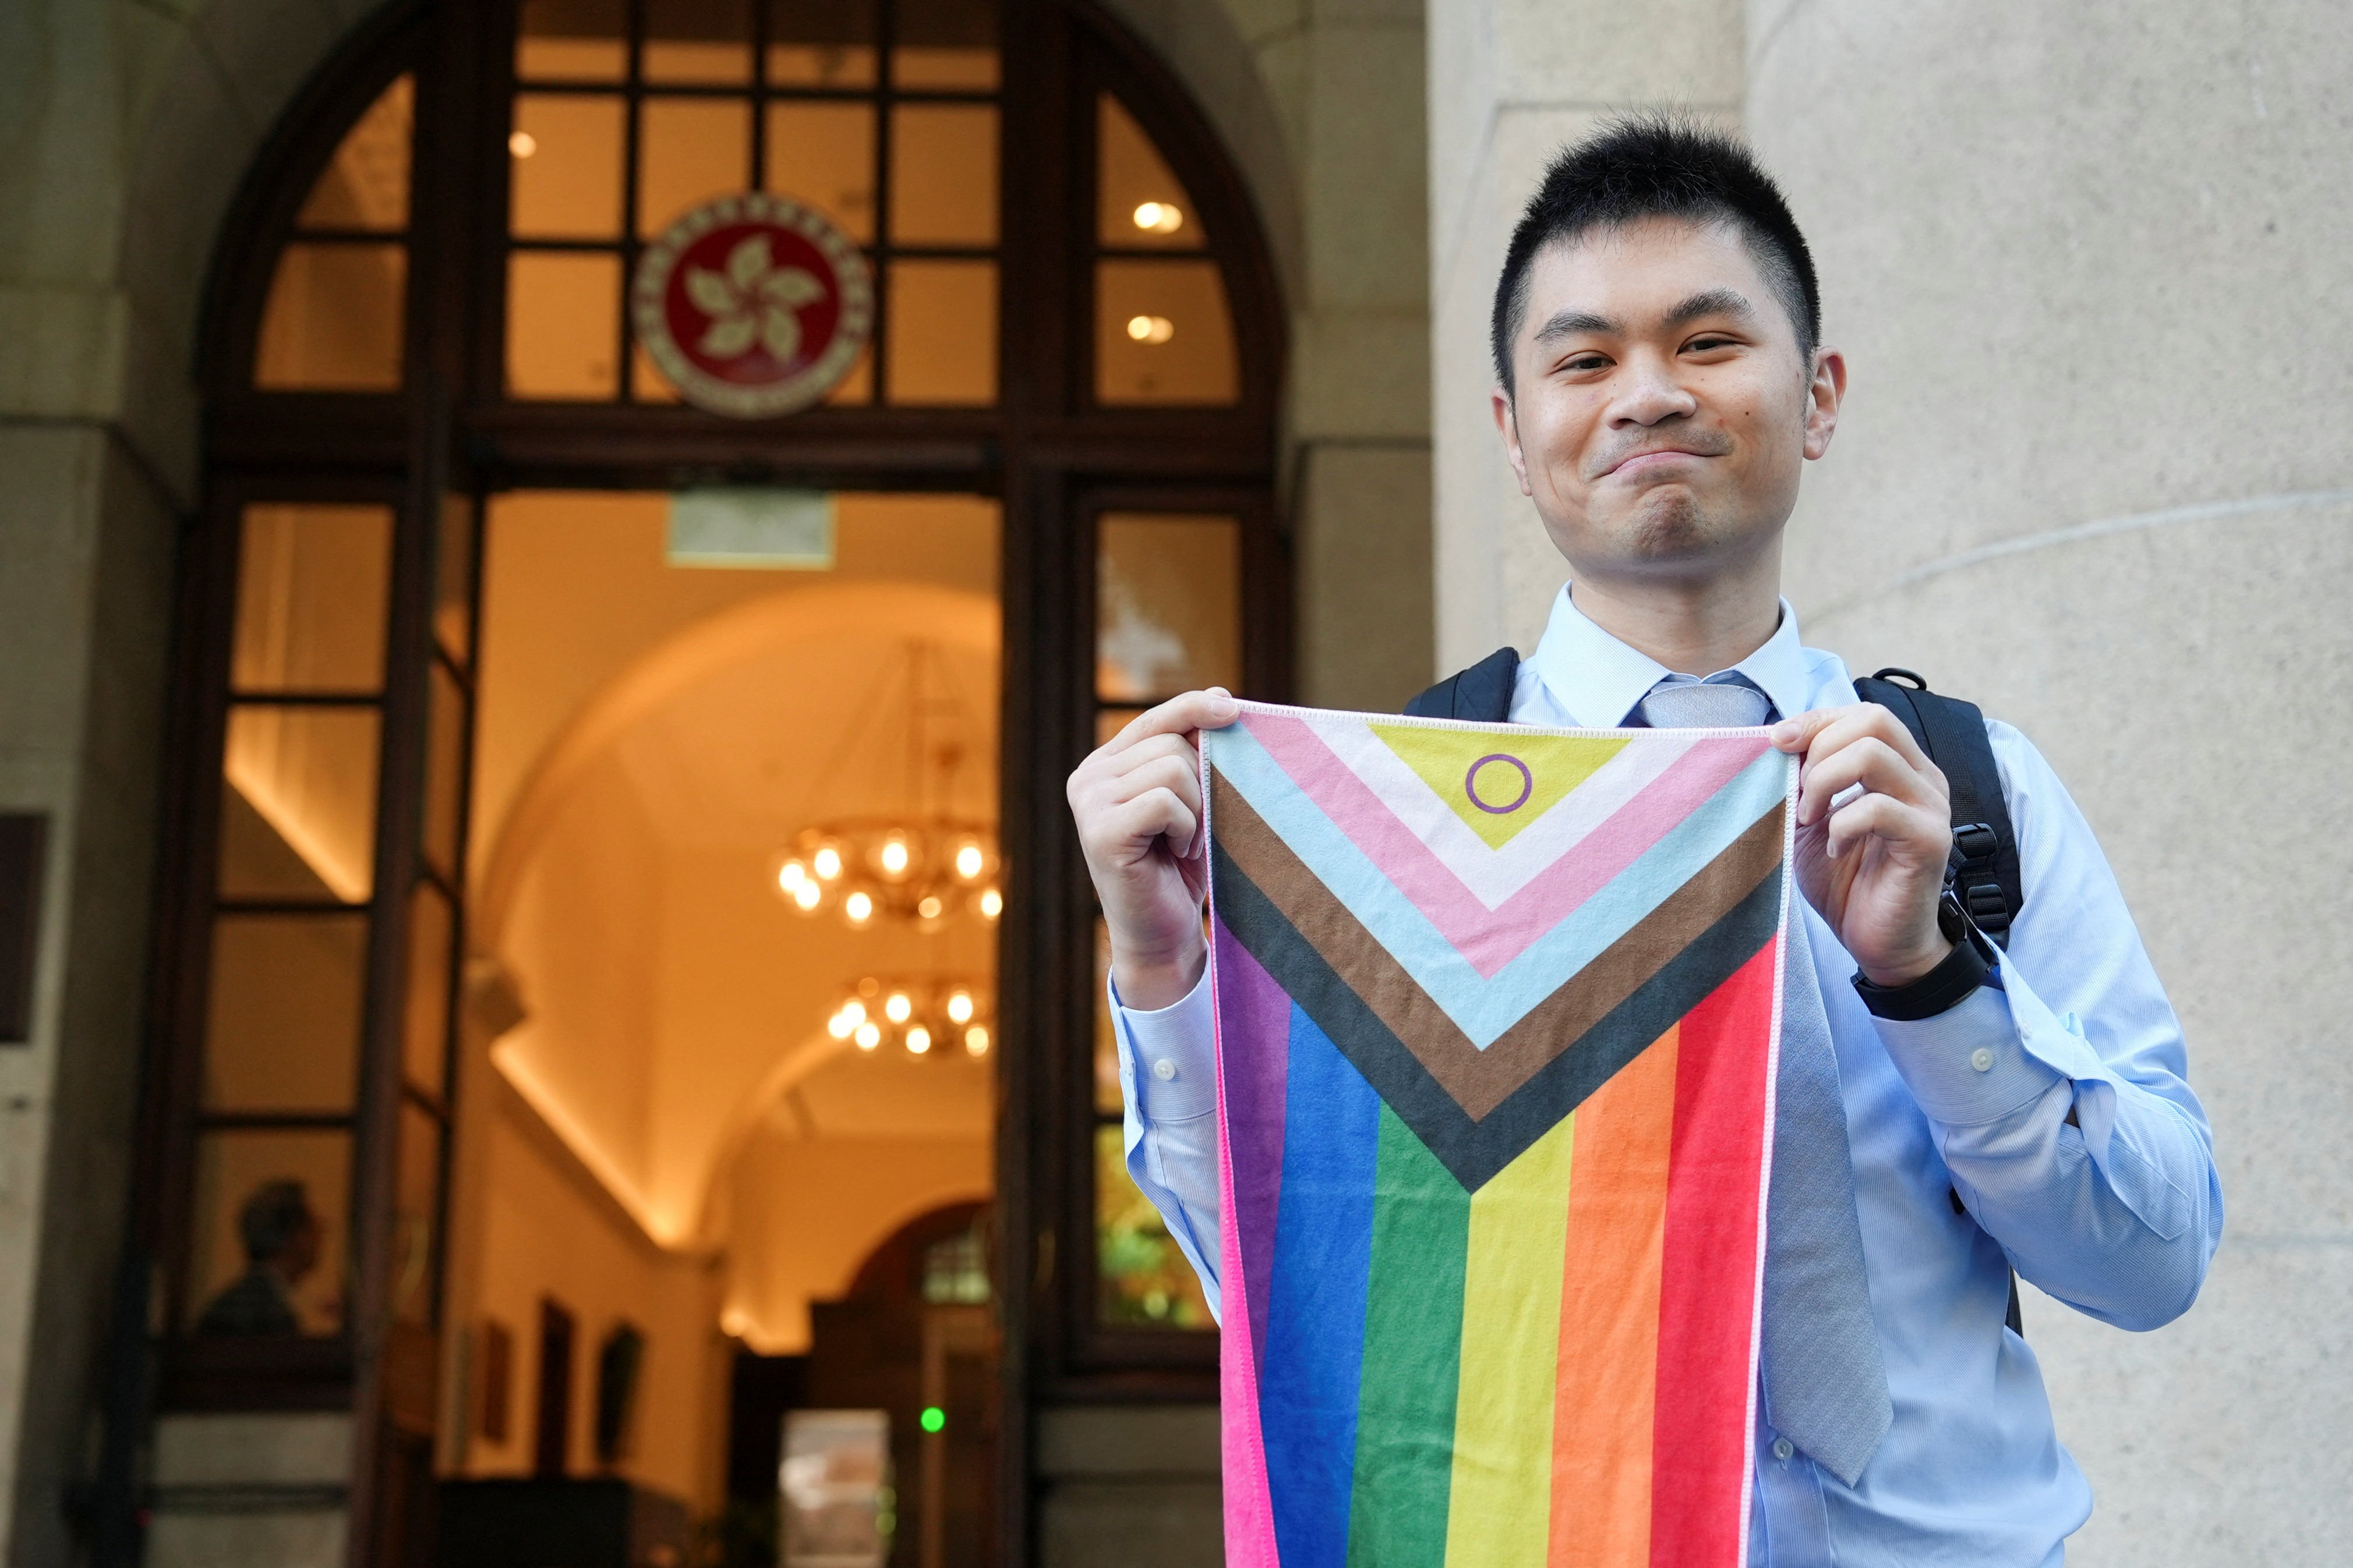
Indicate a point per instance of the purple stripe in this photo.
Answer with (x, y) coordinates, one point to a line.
(1253, 1026)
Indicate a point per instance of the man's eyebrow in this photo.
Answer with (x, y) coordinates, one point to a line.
(1567, 323)
(1710, 302)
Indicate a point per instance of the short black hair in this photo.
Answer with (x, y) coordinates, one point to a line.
(1654, 165)
(274, 1215)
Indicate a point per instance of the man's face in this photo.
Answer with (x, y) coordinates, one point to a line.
(1662, 407)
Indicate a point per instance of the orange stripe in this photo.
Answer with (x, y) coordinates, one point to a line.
(1609, 1317)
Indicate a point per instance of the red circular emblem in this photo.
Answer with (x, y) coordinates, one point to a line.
(752, 305)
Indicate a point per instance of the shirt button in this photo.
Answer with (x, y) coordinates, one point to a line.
(1164, 1069)
(1783, 1448)
(1982, 1059)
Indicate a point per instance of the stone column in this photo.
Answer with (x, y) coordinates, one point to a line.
(1510, 82)
(2089, 266)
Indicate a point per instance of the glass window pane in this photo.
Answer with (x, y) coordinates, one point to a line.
(820, 43)
(702, 41)
(416, 1208)
(1110, 721)
(858, 386)
(282, 1030)
(1107, 1093)
(298, 802)
(1169, 613)
(444, 764)
(563, 321)
(565, 166)
(1142, 1279)
(333, 322)
(944, 174)
(453, 573)
(271, 1210)
(945, 44)
(647, 382)
(1163, 334)
(572, 40)
(366, 186)
(690, 149)
(1137, 201)
(425, 1019)
(312, 584)
(943, 332)
(823, 154)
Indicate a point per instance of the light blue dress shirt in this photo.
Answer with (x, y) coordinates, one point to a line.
(2116, 1212)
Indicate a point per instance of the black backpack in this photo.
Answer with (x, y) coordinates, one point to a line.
(1984, 871)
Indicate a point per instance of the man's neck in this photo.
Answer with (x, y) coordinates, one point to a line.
(1694, 627)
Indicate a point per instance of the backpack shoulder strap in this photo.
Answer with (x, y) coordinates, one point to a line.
(1482, 694)
(1985, 846)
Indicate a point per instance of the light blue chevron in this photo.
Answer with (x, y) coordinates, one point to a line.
(1483, 1009)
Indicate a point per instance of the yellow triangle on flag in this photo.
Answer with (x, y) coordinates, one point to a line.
(1498, 783)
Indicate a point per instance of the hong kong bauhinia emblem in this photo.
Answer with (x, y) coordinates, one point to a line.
(752, 305)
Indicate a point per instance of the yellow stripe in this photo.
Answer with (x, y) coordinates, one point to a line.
(1502, 1500)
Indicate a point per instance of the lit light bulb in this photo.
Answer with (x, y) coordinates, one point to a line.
(841, 1024)
(929, 908)
(960, 1006)
(896, 1008)
(828, 861)
(919, 1040)
(1151, 329)
(992, 903)
(869, 1036)
(967, 862)
(523, 143)
(855, 1012)
(792, 876)
(1159, 217)
(976, 1040)
(806, 895)
(859, 907)
(893, 857)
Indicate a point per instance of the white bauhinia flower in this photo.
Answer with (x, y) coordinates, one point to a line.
(753, 300)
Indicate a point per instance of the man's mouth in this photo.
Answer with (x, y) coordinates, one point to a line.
(1637, 464)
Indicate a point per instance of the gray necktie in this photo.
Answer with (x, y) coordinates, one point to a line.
(1825, 1383)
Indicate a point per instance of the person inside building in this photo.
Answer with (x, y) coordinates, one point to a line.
(1659, 385)
(281, 1239)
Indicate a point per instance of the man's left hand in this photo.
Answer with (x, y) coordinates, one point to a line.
(1874, 864)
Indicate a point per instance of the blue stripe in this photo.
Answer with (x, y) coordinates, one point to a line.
(1483, 1008)
(1315, 1309)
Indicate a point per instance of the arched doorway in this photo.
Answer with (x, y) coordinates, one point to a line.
(419, 313)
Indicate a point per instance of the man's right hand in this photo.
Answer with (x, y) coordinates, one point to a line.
(1137, 803)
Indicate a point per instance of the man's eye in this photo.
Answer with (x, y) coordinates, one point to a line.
(1703, 345)
(1586, 362)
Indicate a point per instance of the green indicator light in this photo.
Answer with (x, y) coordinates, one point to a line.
(933, 1418)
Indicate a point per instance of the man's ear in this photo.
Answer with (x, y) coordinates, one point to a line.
(1823, 396)
(1507, 423)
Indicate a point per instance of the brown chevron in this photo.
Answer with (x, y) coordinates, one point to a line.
(1481, 1080)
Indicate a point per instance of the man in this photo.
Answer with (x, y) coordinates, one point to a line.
(282, 1246)
(1659, 385)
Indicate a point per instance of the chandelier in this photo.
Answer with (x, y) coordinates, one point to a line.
(926, 866)
(920, 1015)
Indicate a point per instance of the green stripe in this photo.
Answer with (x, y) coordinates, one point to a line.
(1501, 1514)
(1413, 1348)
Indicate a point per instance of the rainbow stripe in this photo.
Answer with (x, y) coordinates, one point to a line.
(1494, 1096)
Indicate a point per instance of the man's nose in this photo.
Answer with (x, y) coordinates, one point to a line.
(1650, 394)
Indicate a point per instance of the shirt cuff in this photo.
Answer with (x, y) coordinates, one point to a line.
(1970, 1063)
(1168, 1059)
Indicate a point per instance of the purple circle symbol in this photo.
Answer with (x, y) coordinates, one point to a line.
(1527, 784)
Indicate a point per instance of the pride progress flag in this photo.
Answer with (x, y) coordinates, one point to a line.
(1497, 1009)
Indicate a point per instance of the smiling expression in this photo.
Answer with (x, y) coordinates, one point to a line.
(1662, 409)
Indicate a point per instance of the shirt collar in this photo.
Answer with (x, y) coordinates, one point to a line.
(1597, 679)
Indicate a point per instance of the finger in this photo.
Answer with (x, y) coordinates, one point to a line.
(1905, 828)
(1828, 728)
(1869, 763)
(1153, 749)
(1168, 773)
(1130, 828)
(1211, 709)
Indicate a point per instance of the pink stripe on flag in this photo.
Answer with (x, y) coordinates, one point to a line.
(1489, 939)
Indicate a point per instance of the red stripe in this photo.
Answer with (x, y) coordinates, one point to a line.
(1708, 1273)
